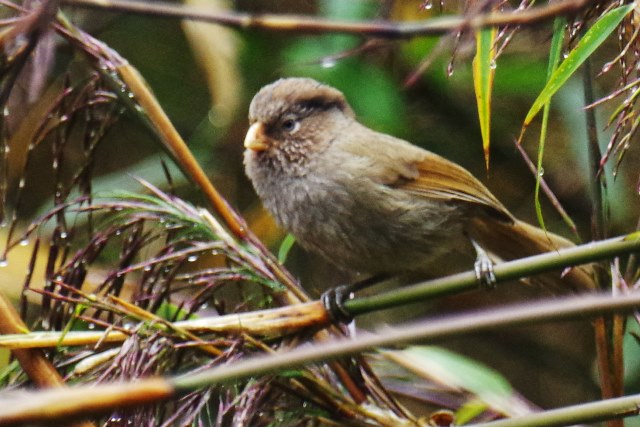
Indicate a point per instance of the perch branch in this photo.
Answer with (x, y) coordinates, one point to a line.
(305, 24)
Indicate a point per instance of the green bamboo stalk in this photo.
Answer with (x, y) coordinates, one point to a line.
(503, 272)
(584, 413)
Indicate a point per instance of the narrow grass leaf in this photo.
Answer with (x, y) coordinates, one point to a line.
(593, 38)
(483, 74)
(554, 60)
(285, 247)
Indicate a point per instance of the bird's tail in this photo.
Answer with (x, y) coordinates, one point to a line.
(512, 240)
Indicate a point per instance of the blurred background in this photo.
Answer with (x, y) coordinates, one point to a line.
(420, 90)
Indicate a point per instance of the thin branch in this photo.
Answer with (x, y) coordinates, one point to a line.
(503, 272)
(305, 24)
(597, 179)
(267, 323)
(585, 413)
(608, 345)
(547, 190)
(82, 401)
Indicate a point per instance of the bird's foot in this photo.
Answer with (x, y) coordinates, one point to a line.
(333, 301)
(484, 273)
(483, 268)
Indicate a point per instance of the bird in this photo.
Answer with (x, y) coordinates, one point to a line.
(372, 203)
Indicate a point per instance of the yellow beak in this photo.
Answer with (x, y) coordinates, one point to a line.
(256, 140)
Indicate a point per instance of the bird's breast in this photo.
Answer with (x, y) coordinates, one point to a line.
(357, 223)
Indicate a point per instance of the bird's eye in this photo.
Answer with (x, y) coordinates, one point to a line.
(290, 125)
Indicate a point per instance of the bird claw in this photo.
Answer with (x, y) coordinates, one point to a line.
(333, 301)
(483, 268)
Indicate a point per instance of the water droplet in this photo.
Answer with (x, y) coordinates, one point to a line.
(63, 235)
(3, 262)
(450, 69)
(328, 62)
(493, 64)
(22, 183)
(428, 4)
(147, 268)
(541, 172)
(24, 242)
(192, 258)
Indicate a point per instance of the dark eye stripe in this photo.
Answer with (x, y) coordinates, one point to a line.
(314, 104)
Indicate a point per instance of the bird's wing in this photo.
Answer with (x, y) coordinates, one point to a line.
(439, 178)
(401, 165)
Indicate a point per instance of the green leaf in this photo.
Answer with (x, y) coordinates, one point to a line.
(173, 312)
(285, 247)
(470, 410)
(554, 59)
(71, 324)
(633, 236)
(483, 74)
(597, 34)
(490, 389)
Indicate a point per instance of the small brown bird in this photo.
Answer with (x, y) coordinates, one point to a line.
(369, 202)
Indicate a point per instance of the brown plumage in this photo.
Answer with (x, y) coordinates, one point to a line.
(369, 202)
